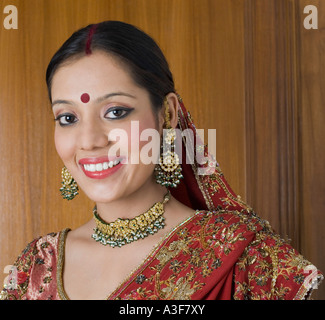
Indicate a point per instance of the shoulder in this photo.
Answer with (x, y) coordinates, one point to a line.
(243, 224)
(38, 254)
(265, 265)
(269, 267)
(39, 248)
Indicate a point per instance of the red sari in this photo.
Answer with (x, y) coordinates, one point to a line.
(224, 251)
(219, 255)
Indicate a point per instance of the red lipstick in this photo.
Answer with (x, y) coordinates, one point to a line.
(100, 167)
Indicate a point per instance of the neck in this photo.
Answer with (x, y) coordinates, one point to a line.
(130, 206)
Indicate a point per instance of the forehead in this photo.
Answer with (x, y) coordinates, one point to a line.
(95, 74)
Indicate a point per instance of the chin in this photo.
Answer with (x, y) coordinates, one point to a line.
(117, 187)
(102, 198)
(102, 194)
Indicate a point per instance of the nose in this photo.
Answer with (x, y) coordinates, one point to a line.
(92, 135)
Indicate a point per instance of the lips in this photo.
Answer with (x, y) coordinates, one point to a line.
(100, 167)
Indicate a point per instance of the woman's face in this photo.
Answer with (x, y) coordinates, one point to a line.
(83, 128)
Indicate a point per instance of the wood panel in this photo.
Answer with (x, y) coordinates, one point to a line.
(311, 119)
(284, 67)
(271, 146)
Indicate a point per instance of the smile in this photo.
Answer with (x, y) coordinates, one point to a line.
(100, 168)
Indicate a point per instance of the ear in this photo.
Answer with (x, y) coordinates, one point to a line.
(173, 108)
(173, 111)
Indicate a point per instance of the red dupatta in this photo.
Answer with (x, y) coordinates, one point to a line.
(208, 191)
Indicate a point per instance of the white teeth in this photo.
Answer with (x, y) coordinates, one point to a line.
(100, 166)
(105, 165)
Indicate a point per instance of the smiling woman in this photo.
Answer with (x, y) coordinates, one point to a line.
(161, 231)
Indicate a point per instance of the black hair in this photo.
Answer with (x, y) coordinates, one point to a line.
(133, 47)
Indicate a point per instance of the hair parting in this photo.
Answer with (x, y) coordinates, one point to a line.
(134, 48)
(90, 38)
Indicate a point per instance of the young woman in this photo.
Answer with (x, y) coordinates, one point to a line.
(160, 229)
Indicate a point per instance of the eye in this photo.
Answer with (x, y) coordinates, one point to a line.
(66, 119)
(117, 113)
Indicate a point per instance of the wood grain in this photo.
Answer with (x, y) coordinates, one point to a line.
(311, 138)
(271, 113)
(284, 67)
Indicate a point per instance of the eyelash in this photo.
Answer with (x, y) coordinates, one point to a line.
(65, 115)
(58, 118)
(126, 110)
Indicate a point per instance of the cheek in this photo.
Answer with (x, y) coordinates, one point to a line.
(135, 143)
(64, 145)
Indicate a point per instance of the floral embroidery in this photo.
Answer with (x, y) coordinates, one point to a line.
(272, 267)
(266, 268)
(181, 290)
(176, 266)
(195, 253)
(211, 182)
(44, 245)
(140, 278)
(39, 261)
(33, 263)
(47, 279)
(299, 278)
(22, 278)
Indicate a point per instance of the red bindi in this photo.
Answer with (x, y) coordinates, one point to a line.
(85, 98)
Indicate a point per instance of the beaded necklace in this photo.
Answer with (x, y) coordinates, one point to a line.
(124, 231)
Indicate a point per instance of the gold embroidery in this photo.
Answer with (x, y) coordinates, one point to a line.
(203, 253)
(60, 265)
(181, 290)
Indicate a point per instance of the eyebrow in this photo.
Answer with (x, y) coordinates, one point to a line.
(98, 100)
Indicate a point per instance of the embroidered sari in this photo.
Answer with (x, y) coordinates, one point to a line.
(224, 251)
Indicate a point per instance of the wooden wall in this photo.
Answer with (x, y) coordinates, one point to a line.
(246, 68)
(284, 113)
(311, 136)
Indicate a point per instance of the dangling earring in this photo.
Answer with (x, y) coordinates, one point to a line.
(69, 187)
(168, 172)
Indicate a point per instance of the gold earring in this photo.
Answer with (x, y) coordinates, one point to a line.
(168, 172)
(69, 187)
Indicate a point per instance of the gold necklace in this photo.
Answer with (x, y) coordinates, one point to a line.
(124, 231)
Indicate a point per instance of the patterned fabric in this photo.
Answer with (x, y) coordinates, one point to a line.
(219, 255)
